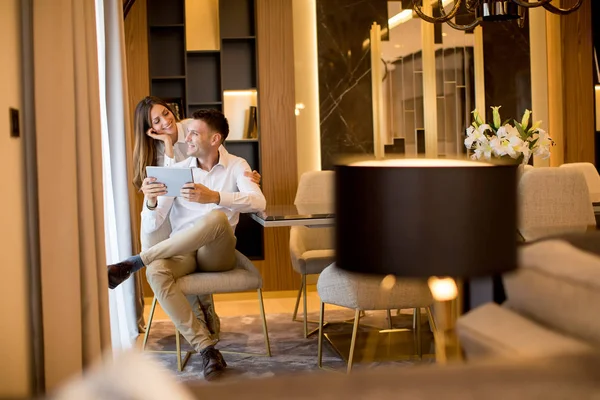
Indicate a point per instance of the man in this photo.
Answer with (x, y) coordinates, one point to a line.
(203, 219)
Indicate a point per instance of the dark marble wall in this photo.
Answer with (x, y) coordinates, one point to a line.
(507, 69)
(344, 75)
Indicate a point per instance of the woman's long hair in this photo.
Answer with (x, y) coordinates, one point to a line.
(144, 152)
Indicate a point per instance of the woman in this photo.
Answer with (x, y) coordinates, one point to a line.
(159, 139)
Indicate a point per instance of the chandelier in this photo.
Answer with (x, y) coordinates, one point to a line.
(489, 10)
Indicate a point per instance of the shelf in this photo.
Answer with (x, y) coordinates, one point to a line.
(225, 39)
(192, 52)
(250, 89)
(161, 12)
(237, 18)
(164, 78)
(166, 26)
(203, 78)
(206, 103)
(241, 141)
(203, 106)
(168, 88)
(238, 58)
(165, 44)
(195, 64)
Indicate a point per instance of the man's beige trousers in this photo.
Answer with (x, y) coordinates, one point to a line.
(208, 246)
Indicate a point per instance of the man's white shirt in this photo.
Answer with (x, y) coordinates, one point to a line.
(238, 194)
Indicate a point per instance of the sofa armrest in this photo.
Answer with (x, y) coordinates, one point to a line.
(491, 331)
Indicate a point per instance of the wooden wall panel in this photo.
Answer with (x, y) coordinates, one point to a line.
(136, 52)
(578, 85)
(275, 57)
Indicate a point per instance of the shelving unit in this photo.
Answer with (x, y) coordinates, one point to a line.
(199, 77)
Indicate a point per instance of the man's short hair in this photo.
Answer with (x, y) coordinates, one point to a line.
(215, 120)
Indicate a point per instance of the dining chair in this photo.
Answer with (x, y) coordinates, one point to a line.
(592, 178)
(244, 277)
(553, 201)
(365, 292)
(311, 249)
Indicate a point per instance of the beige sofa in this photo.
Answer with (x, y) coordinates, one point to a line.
(551, 307)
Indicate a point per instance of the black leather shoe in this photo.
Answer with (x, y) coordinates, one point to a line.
(118, 273)
(213, 363)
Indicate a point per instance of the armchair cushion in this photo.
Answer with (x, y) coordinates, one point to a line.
(558, 285)
(491, 331)
(242, 278)
(365, 291)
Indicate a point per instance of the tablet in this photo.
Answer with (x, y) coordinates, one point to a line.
(173, 177)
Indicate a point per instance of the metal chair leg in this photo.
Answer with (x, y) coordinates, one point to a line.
(353, 342)
(432, 326)
(415, 319)
(264, 322)
(295, 314)
(389, 318)
(305, 306)
(320, 344)
(178, 348)
(417, 323)
(149, 323)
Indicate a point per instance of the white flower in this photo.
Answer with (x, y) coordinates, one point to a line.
(497, 146)
(507, 142)
(483, 149)
(541, 148)
(502, 131)
(524, 149)
(476, 135)
(514, 144)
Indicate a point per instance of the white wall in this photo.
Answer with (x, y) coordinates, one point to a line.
(14, 332)
(308, 129)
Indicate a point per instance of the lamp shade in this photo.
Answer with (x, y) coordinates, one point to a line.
(426, 217)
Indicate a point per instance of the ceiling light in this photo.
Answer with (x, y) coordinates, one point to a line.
(489, 10)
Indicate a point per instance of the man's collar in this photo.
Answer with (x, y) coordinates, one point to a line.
(223, 159)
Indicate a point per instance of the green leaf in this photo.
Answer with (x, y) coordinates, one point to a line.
(506, 122)
(496, 114)
(520, 129)
(525, 120)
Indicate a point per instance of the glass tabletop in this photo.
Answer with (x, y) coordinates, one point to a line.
(295, 212)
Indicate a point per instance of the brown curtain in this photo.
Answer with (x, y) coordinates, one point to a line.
(72, 250)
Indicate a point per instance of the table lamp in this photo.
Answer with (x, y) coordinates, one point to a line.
(437, 219)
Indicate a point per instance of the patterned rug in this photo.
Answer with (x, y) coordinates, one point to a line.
(291, 352)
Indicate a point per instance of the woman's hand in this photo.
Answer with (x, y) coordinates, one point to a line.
(152, 190)
(254, 176)
(165, 138)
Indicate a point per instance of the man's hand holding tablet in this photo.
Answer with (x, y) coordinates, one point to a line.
(164, 181)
